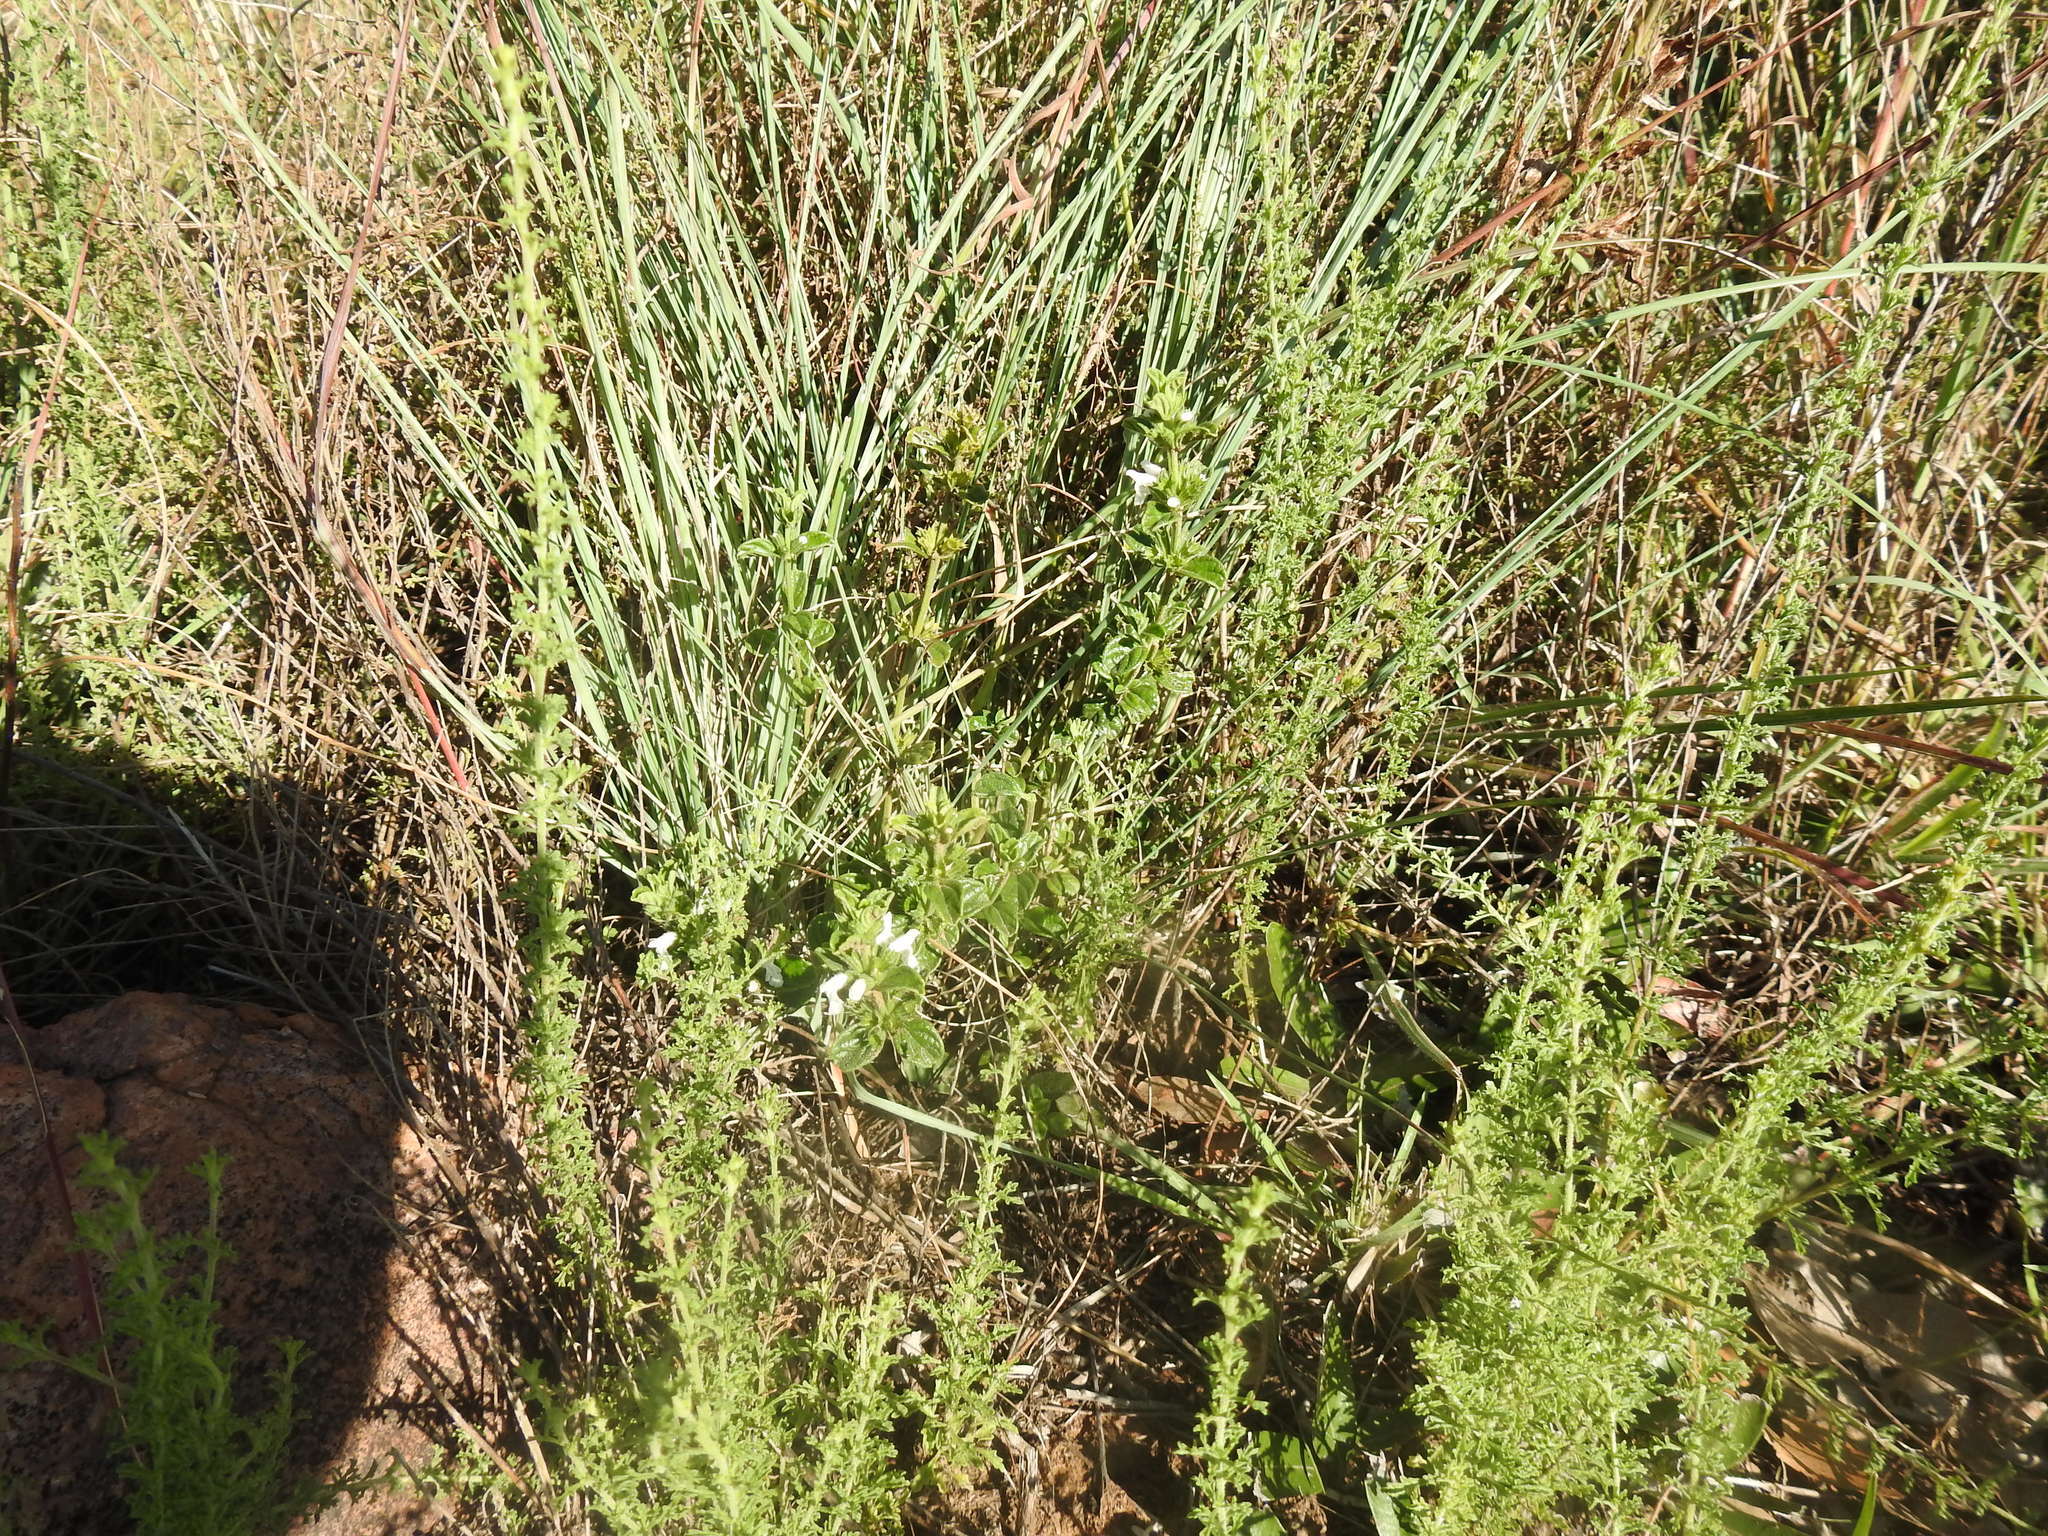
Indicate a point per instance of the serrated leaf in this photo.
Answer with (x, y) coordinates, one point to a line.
(856, 1044)
(1140, 697)
(918, 1046)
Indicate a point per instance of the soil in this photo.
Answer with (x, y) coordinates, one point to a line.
(1089, 1473)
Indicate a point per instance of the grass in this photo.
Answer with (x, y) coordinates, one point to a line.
(971, 640)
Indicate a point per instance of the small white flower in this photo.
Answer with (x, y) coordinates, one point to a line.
(1187, 415)
(661, 944)
(904, 944)
(834, 1003)
(888, 927)
(1142, 480)
(858, 990)
(1173, 502)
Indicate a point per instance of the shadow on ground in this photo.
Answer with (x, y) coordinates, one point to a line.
(191, 981)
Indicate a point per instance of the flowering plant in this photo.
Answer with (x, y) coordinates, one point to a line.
(876, 996)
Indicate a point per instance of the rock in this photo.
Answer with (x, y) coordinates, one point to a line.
(320, 1174)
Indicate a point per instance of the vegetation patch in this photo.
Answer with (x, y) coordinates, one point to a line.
(1249, 764)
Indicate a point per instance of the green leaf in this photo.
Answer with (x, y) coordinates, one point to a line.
(1335, 1416)
(1043, 1092)
(1288, 1464)
(918, 1046)
(1386, 1515)
(1303, 1003)
(811, 629)
(1002, 913)
(1741, 1429)
(1206, 569)
(1867, 1516)
(1140, 696)
(856, 1042)
(1387, 995)
(944, 904)
(1043, 922)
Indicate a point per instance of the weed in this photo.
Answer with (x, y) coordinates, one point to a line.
(1222, 1444)
(191, 1460)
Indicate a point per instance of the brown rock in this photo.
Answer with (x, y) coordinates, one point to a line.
(320, 1175)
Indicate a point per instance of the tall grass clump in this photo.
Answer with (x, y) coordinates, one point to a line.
(1241, 704)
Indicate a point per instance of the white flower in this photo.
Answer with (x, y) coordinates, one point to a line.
(1142, 480)
(858, 990)
(1187, 415)
(834, 1004)
(661, 944)
(1173, 502)
(897, 943)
